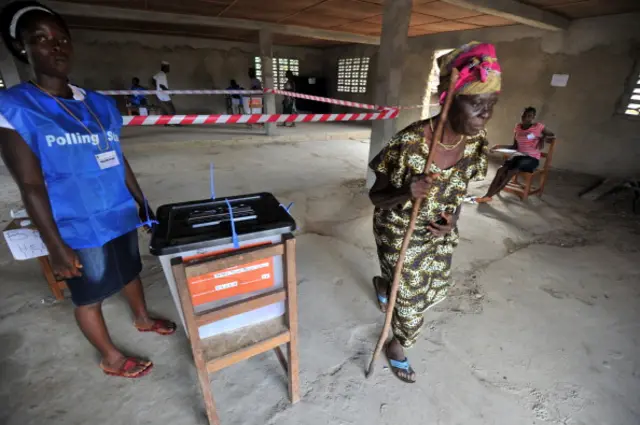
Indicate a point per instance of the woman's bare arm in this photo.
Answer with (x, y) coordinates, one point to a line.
(547, 136)
(144, 210)
(27, 173)
(132, 184)
(384, 195)
(25, 170)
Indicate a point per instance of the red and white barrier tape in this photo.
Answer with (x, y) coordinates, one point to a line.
(147, 92)
(328, 100)
(253, 119)
(342, 102)
(262, 92)
(417, 106)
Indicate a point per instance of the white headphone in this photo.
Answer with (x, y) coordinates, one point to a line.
(14, 21)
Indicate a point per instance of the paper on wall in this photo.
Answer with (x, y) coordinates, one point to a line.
(25, 244)
(559, 80)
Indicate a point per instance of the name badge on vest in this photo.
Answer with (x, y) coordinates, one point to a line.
(107, 160)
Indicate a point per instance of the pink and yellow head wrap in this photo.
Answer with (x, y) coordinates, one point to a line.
(479, 70)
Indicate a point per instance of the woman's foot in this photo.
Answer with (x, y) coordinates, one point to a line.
(484, 200)
(382, 292)
(399, 363)
(159, 326)
(126, 367)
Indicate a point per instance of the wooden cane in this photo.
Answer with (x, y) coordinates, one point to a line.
(437, 137)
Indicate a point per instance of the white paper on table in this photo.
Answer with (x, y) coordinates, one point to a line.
(559, 80)
(25, 244)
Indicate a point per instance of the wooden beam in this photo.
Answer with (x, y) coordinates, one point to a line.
(292, 318)
(282, 359)
(197, 350)
(215, 365)
(516, 11)
(232, 259)
(108, 12)
(239, 307)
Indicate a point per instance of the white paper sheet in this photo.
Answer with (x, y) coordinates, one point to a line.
(25, 244)
(559, 80)
(19, 213)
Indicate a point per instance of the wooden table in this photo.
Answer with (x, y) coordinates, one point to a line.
(56, 286)
(220, 351)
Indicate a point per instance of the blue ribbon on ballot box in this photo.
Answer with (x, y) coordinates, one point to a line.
(148, 222)
(234, 234)
(287, 208)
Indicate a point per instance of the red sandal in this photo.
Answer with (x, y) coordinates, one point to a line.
(160, 326)
(130, 363)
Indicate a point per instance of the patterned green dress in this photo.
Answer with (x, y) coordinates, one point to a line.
(426, 274)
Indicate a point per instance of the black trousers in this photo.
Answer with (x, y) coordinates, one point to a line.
(167, 108)
(524, 163)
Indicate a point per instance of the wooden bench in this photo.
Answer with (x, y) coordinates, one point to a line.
(522, 183)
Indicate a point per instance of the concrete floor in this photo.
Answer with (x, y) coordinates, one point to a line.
(541, 327)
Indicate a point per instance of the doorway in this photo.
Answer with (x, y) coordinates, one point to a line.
(430, 105)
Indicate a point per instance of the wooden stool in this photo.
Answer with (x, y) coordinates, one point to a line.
(56, 286)
(206, 353)
(524, 189)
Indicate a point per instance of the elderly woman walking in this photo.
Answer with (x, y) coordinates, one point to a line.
(461, 157)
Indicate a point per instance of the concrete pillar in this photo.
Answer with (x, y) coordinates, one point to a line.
(8, 68)
(393, 45)
(266, 56)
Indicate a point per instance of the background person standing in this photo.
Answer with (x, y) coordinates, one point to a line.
(161, 82)
(289, 103)
(255, 101)
(138, 101)
(236, 102)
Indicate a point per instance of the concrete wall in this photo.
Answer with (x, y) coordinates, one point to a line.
(598, 53)
(331, 56)
(108, 60)
(8, 67)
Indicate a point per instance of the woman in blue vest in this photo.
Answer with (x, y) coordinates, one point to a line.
(62, 147)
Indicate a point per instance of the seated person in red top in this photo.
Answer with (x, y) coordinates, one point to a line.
(529, 139)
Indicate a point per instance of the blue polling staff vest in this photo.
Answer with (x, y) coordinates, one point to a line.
(90, 205)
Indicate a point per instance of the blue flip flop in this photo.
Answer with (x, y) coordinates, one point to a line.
(382, 300)
(402, 365)
(470, 200)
